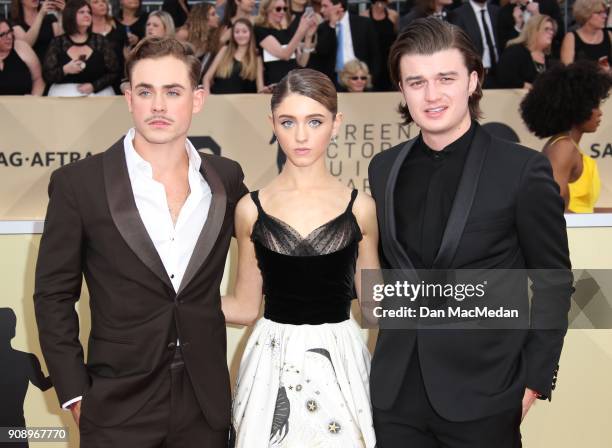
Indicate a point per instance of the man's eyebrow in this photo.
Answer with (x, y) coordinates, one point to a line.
(440, 74)
(413, 78)
(145, 85)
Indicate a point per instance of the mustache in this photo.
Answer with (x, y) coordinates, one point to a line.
(159, 117)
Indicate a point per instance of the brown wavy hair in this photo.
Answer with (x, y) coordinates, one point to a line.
(158, 47)
(428, 36)
(199, 34)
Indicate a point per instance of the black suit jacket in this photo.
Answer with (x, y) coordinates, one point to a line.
(93, 228)
(507, 214)
(465, 19)
(365, 46)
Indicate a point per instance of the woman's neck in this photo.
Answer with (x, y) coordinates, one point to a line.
(535, 49)
(575, 134)
(4, 54)
(80, 36)
(128, 13)
(241, 14)
(29, 15)
(305, 178)
(298, 8)
(240, 52)
(589, 31)
(276, 26)
(99, 23)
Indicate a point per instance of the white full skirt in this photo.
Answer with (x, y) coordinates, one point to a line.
(304, 386)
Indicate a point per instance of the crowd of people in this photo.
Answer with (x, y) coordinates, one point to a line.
(79, 47)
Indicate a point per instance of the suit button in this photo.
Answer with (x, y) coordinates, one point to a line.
(171, 345)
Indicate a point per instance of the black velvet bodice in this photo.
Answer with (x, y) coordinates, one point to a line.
(307, 280)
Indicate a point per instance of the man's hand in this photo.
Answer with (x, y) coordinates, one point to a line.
(528, 399)
(75, 408)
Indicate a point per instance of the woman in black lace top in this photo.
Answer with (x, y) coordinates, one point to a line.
(302, 242)
(80, 62)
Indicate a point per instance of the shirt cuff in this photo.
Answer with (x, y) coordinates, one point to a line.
(69, 402)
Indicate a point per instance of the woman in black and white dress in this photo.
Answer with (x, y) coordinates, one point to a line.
(302, 242)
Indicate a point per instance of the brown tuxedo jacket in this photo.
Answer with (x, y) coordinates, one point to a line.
(93, 229)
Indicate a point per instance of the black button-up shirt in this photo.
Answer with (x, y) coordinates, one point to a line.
(424, 194)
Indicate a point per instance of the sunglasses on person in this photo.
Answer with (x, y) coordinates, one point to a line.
(6, 33)
(281, 9)
(358, 78)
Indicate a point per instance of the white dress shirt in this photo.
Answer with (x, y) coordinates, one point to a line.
(348, 52)
(174, 244)
(477, 7)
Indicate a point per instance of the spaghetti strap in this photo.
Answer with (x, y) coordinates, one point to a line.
(353, 196)
(561, 137)
(255, 198)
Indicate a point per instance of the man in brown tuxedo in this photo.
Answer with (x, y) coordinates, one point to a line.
(148, 223)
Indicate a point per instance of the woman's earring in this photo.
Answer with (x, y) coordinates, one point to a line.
(334, 139)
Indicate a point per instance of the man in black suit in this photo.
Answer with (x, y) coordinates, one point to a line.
(456, 197)
(342, 37)
(478, 19)
(148, 223)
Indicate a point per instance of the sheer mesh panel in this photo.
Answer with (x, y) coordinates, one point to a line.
(330, 237)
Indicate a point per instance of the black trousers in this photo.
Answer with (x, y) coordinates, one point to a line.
(412, 422)
(171, 419)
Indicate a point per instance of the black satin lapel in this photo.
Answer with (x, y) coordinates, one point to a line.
(125, 215)
(464, 198)
(212, 226)
(391, 246)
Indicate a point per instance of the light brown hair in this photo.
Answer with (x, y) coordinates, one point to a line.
(264, 9)
(351, 68)
(428, 36)
(584, 9)
(199, 34)
(309, 83)
(166, 20)
(159, 47)
(529, 33)
(249, 61)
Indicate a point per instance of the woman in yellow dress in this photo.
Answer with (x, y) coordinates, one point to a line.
(563, 105)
